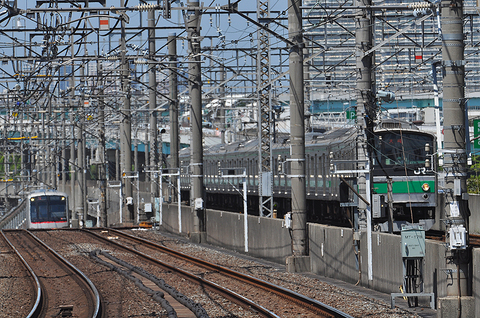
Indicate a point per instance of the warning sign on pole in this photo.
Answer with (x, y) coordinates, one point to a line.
(104, 24)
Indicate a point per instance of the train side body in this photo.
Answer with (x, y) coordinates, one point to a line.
(330, 199)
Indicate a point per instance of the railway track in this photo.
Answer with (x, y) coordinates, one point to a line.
(23, 285)
(245, 285)
(186, 275)
(124, 297)
(64, 290)
(123, 261)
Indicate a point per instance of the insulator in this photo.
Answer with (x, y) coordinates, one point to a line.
(420, 5)
(147, 7)
(421, 12)
(140, 61)
(427, 163)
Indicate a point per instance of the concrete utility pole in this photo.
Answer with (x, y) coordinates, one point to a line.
(126, 125)
(43, 142)
(102, 164)
(72, 168)
(82, 206)
(299, 262)
(173, 83)
(196, 140)
(365, 110)
(458, 257)
(221, 91)
(152, 105)
(64, 161)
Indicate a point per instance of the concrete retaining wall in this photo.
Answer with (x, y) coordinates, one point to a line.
(266, 237)
(332, 255)
(476, 279)
(170, 219)
(474, 220)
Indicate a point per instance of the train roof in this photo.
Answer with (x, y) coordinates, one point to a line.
(404, 131)
(329, 137)
(282, 141)
(395, 123)
(42, 192)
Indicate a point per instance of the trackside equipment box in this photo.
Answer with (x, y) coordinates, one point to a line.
(413, 241)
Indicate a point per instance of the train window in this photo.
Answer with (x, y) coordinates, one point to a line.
(400, 149)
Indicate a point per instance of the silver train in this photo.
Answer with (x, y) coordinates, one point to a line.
(41, 209)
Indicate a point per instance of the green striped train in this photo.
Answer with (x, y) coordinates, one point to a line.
(403, 155)
(406, 158)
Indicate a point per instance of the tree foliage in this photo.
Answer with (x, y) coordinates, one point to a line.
(473, 181)
(14, 166)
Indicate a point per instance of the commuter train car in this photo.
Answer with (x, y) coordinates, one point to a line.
(398, 154)
(41, 209)
(404, 158)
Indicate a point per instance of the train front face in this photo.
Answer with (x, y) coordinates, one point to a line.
(404, 156)
(48, 212)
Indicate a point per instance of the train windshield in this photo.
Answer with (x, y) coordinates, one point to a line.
(48, 209)
(394, 149)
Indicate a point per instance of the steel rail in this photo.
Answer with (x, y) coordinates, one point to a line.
(232, 296)
(37, 306)
(98, 304)
(312, 304)
(98, 309)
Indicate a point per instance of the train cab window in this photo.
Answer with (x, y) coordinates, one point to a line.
(57, 208)
(395, 149)
(42, 210)
(34, 213)
(48, 208)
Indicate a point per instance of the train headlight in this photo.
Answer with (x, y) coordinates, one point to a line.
(425, 187)
(63, 198)
(32, 199)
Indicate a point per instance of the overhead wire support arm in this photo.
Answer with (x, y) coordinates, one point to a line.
(233, 8)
